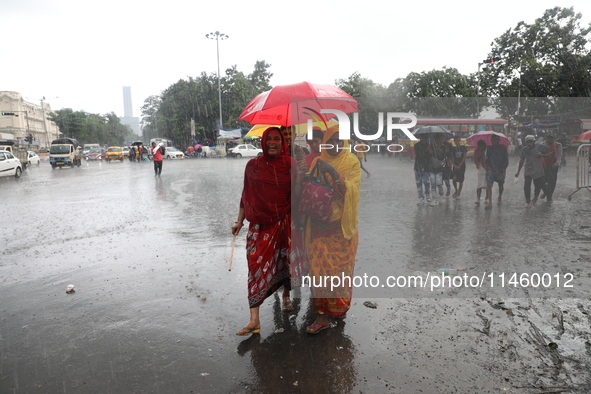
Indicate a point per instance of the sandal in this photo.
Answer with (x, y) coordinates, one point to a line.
(248, 331)
(316, 328)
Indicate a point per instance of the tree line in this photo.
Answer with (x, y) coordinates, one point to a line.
(546, 64)
(92, 128)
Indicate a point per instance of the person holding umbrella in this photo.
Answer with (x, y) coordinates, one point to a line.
(480, 162)
(422, 168)
(438, 152)
(497, 162)
(266, 204)
(458, 158)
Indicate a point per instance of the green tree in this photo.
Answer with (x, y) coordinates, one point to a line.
(371, 98)
(358, 86)
(260, 78)
(92, 128)
(442, 93)
(547, 59)
(169, 114)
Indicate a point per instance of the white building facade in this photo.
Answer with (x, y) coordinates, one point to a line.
(28, 118)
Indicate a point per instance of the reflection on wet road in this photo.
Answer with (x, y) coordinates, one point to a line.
(155, 308)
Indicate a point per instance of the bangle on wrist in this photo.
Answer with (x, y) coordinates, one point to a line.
(239, 222)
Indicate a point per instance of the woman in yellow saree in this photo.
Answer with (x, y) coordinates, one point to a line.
(332, 246)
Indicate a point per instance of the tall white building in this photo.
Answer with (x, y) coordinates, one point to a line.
(128, 118)
(28, 118)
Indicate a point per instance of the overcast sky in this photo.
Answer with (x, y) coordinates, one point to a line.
(79, 54)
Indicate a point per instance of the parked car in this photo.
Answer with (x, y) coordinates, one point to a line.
(10, 165)
(173, 153)
(94, 154)
(246, 150)
(34, 158)
(114, 153)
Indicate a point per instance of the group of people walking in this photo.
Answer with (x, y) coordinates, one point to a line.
(437, 162)
(137, 153)
(283, 245)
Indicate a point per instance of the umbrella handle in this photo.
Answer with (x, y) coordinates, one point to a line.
(232, 253)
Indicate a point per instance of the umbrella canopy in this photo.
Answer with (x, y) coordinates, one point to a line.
(486, 137)
(585, 136)
(197, 146)
(432, 130)
(300, 129)
(288, 105)
(137, 143)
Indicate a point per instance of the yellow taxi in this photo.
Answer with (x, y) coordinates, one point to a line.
(114, 153)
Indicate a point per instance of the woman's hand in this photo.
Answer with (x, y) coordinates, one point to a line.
(325, 166)
(299, 153)
(236, 227)
(239, 222)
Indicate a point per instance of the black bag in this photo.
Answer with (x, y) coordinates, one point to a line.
(435, 162)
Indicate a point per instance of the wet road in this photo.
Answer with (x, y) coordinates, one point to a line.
(155, 308)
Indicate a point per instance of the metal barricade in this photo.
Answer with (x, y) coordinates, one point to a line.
(583, 167)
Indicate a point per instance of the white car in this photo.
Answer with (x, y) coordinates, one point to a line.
(244, 150)
(33, 158)
(173, 153)
(10, 165)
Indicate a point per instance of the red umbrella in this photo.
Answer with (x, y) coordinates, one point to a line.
(585, 136)
(485, 136)
(287, 105)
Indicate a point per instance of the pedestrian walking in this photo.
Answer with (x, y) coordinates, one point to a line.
(551, 164)
(531, 157)
(332, 246)
(497, 162)
(481, 167)
(447, 169)
(422, 168)
(266, 204)
(157, 152)
(458, 158)
(438, 152)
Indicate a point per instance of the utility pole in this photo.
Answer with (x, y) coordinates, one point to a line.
(217, 36)
(519, 91)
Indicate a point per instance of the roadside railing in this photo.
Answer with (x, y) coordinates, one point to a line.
(583, 168)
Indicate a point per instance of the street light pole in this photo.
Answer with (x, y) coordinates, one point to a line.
(519, 91)
(217, 36)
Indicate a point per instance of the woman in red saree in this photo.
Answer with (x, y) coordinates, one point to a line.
(332, 246)
(266, 204)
